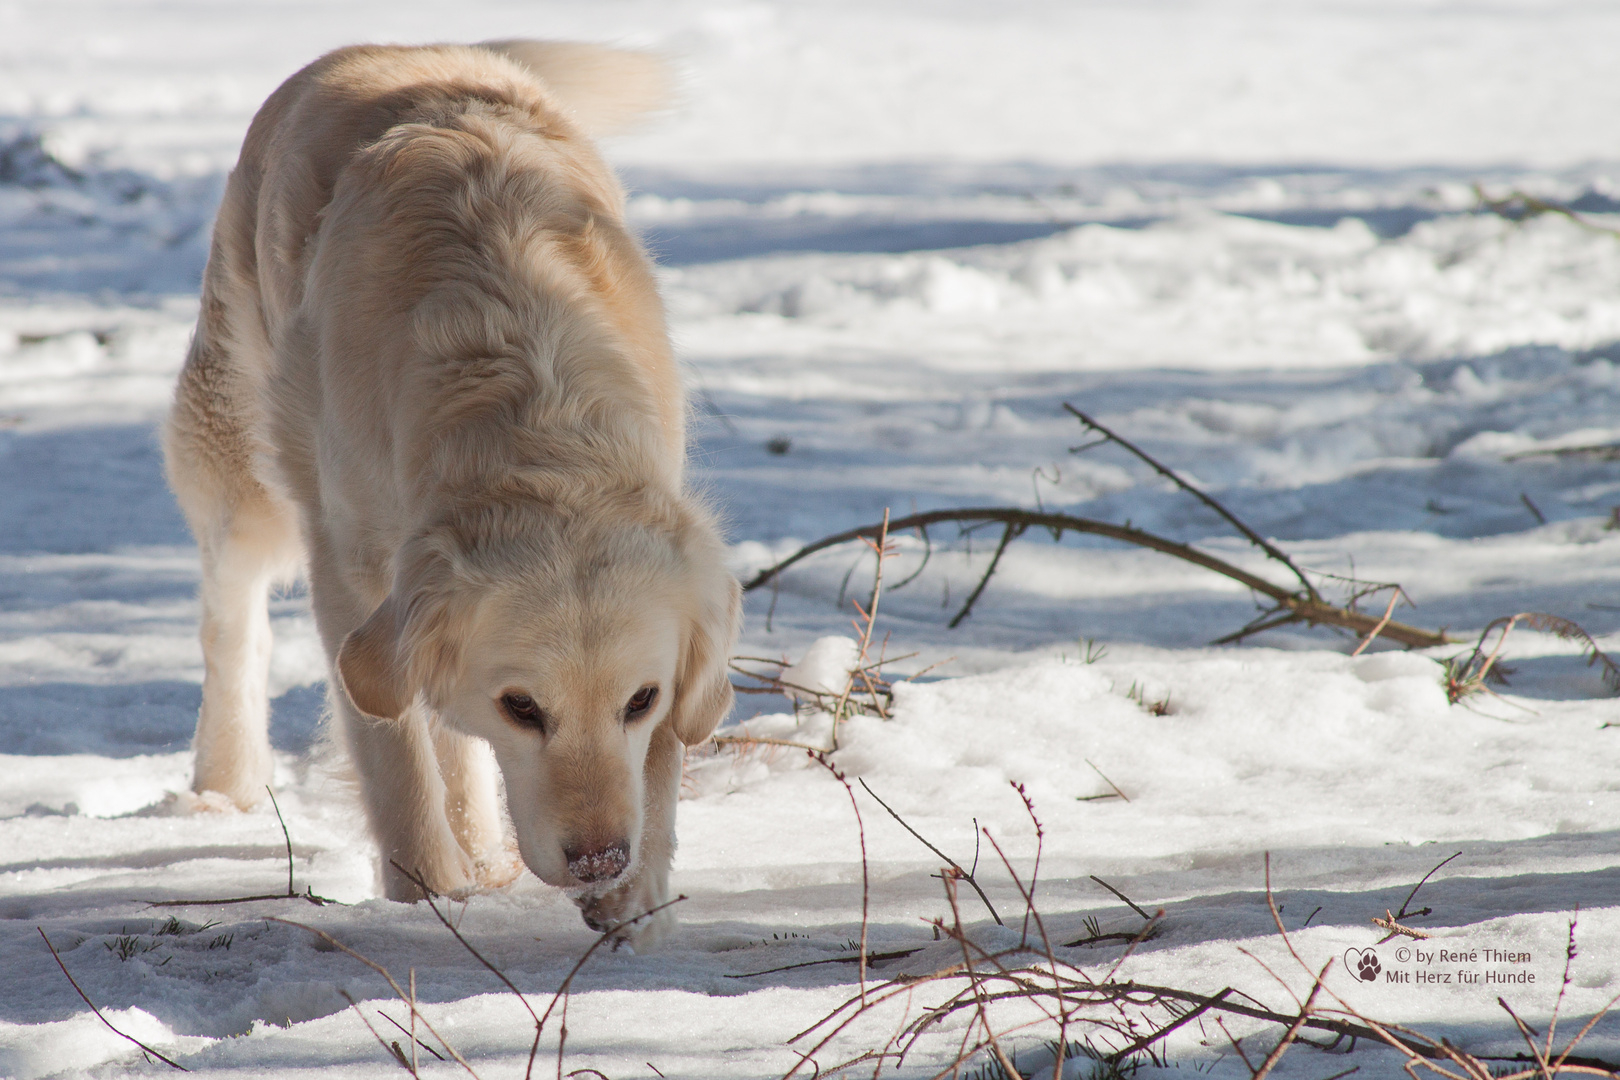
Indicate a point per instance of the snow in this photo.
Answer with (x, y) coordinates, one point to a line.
(895, 239)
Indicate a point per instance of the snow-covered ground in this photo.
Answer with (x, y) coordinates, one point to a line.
(896, 238)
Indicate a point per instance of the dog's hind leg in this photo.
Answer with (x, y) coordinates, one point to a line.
(247, 538)
(246, 552)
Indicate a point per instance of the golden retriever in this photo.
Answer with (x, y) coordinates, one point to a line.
(432, 366)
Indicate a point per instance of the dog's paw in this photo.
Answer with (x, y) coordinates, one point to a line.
(498, 869)
(627, 914)
(185, 803)
(451, 874)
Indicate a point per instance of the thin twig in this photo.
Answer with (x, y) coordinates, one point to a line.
(568, 980)
(1121, 895)
(756, 740)
(393, 985)
(1579, 1035)
(307, 895)
(871, 958)
(285, 835)
(1232, 519)
(1521, 204)
(1293, 1029)
(1563, 986)
(881, 548)
(1529, 1039)
(1466, 675)
(954, 865)
(1397, 930)
(1007, 537)
(928, 553)
(392, 1048)
(1394, 599)
(419, 1042)
(1403, 913)
(428, 894)
(974, 984)
(860, 825)
(1236, 1045)
(1113, 785)
(1267, 620)
(1154, 1036)
(412, 1032)
(99, 1015)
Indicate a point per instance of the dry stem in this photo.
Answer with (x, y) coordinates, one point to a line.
(868, 618)
(952, 863)
(866, 889)
(1468, 674)
(99, 1016)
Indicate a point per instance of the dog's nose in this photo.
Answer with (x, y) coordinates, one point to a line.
(598, 863)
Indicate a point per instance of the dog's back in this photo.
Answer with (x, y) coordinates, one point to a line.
(387, 112)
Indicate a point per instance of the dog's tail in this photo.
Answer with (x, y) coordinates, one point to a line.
(606, 90)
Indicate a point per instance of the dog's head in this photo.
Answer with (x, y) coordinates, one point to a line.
(565, 649)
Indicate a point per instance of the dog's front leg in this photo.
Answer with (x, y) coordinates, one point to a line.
(405, 801)
(472, 805)
(648, 886)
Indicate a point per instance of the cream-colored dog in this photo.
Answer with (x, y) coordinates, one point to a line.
(432, 366)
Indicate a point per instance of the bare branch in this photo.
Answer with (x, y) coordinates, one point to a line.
(1403, 913)
(1012, 530)
(954, 865)
(1128, 901)
(1397, 930)
(393, 985)
(860, 825)
(99, 1016)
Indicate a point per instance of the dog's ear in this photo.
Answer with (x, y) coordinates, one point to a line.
(369, 667)
(703, 694)
(412, 642)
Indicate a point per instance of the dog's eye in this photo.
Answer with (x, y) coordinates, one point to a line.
(641, 702)
(524, 711)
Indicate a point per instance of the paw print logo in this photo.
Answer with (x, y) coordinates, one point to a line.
(1363, 964)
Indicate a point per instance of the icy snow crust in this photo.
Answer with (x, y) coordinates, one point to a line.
(894, 241)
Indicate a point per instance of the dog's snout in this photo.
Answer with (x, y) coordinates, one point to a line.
(598, 863)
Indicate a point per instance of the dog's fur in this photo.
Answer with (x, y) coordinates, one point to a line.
(431, 365)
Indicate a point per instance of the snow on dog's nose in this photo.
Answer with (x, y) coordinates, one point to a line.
(591, 864)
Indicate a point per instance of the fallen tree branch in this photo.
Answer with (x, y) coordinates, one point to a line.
(1518, 205)
(1397, 930)
(1299, 606)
